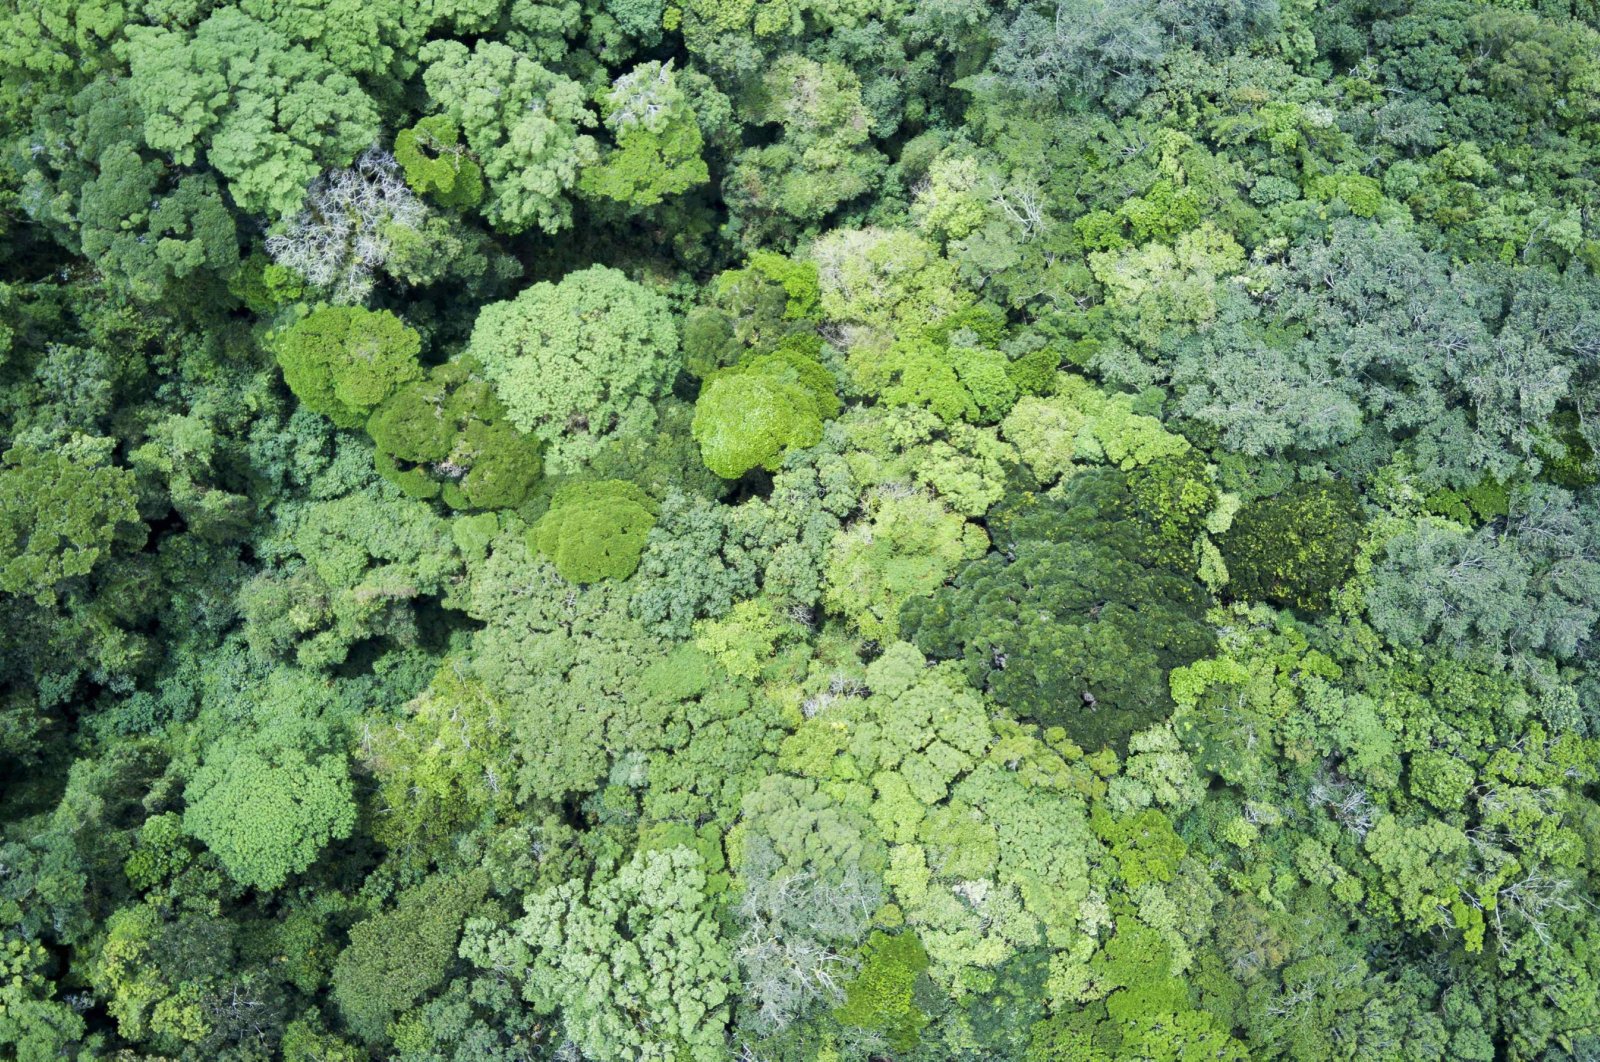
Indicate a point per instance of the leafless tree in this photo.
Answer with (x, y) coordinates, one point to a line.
(797, 926)
(1345, 800)
(343, 235)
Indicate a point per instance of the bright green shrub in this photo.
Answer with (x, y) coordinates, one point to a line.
(437, 165)
(1144, 845)
(750, 416)
(957, 383)
(436, 771)
(344, 361)
(595, 531)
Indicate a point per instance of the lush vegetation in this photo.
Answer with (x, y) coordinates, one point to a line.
(800, 530)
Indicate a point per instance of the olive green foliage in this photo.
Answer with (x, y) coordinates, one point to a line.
(62, 511)
(579, 358)
(880, 996)
(1179, 501)
(445, 436)
(595, 530)
(436, 165)
(1566, 455)
(751, 415)
(396, 956)
(1295, 548)
(344, 361)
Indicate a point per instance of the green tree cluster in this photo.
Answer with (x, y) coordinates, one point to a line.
(799, 530)
(446, 436)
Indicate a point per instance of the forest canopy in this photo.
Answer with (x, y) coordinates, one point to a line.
(799, 530)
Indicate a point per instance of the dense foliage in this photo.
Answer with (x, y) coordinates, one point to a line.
(799, 530)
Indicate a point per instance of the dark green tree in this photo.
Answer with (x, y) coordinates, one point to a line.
(446, 436)
(1295, 548)
(1071, 621)
(396, 956)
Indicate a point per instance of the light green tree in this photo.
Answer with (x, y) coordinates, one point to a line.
(62, 512)
(956, 382)
(878, 284)
(658, 141)
(521, 120)
(1155, 289)
(376, 41)
(634, 962)
(576, 361)
(595, 531)
(267, 805)
(751, 415)
(1423, 867)
(905, 544)
(353, 568)
(265, 113)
